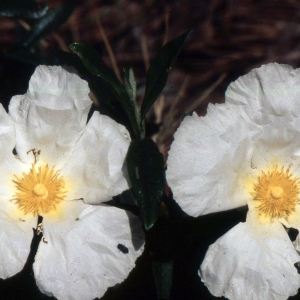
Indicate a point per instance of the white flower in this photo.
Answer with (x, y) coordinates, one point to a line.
(62, 164)
(246, 152)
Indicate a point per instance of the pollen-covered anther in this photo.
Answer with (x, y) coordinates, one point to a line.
(39, 191)
(277, 192)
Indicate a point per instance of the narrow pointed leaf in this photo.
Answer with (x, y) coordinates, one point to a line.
(93, 62)
(163, 274)
(130, 84)
(157, 74)
(130, 88)
(97, 85)
(48, 23)
(27, 9)
(145, 165)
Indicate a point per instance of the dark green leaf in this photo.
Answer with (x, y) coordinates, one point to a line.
(145, 165)
(93, 62)
(158, 71)
(163, 273)
(130, 84)
(130, 88)
(27, 9)
(47, 24)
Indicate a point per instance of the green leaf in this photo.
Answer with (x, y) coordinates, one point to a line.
(27, 9)
(145, 165)
(94, 63)
(157, 74)
(130, 88)
(125, 95)
(163, 273)
(48, 23)
(130, 84)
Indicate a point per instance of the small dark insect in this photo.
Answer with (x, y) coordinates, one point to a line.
(44, 240)
(297, 266)
(123, 248)
(77, 219)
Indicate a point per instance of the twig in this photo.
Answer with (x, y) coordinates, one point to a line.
(74, 27)
(108, 47)
(145, 51)
(169, 118)
(183, 87)
(167, 21)
(60, 42)
(206, 93)
(24, 24)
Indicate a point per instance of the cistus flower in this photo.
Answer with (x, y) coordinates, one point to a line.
(56, 165)
(246, 152)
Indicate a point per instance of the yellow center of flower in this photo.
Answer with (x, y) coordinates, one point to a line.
(277, 193)
(39, 191)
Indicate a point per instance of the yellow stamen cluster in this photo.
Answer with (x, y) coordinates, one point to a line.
(277, 192)
(39, 191)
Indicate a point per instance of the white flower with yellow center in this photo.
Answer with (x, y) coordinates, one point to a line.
(246, 152)
(54, 164)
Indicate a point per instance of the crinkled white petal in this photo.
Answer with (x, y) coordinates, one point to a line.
(252, 263)
(16, 230)
(8, 162)
(7, 133)
(79, 258)
(277, 143)
(257, 128)
(271, 90)
(206, 160)
(16, 234)
(51, 116)
(268, 99)
(96, 170)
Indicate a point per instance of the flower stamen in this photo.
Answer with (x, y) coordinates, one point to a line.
(277, 192)
(39, 191)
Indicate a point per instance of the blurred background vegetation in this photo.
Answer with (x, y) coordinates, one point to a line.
(229, 39)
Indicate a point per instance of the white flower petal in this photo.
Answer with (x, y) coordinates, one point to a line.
(15, 235)
(206, 160)
(268, 100)
(95, 167)
(51, 116)
(271, 90)
(252, 262)
(7, 133)
(10, 165)
(81, 258)
(16, 230)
